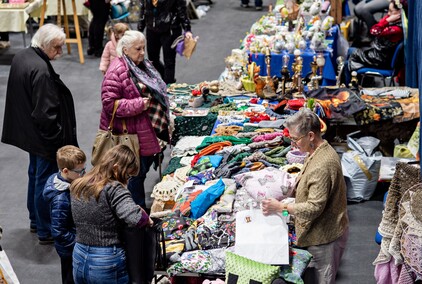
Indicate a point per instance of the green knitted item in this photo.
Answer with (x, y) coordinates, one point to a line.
(214, 139)
(193, 126)
(250, 128)
(173, 165)
(229, 106)
(239, 157)
(245, 270)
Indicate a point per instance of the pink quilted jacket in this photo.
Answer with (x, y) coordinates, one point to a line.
(109, 53)
(117, 85)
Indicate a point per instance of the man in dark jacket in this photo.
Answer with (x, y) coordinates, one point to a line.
(39, 118)
(164, 20)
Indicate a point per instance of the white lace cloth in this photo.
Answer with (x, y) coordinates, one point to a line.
(186, 146)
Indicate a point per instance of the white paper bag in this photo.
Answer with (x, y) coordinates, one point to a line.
(6, 269)
(262, 238)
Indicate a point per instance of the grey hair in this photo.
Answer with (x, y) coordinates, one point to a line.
(46, 35)
(127, 41)
(304, 121)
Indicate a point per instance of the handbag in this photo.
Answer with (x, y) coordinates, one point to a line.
(105, 140)
(143, 251)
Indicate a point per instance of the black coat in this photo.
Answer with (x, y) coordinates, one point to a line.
(169, 14)
(39, 115)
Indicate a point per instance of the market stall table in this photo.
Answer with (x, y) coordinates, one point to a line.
(13, 17)
(329, 71)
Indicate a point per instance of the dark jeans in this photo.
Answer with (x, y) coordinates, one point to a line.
(156, 41)
(258, 3)
(136, 183)
(67, 270)
(39, 171)
(100, 11)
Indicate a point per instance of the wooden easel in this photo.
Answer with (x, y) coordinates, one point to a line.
(69, 40)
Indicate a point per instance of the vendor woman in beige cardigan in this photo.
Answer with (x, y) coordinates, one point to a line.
(320, 208)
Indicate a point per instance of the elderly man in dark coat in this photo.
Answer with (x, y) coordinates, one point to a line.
(39, 118)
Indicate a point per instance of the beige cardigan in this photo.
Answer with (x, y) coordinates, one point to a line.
(321, 204)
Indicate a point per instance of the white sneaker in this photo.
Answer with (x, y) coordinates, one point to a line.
(4, 44)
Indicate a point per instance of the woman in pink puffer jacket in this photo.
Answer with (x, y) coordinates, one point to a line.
(143, 104)
(109, 52)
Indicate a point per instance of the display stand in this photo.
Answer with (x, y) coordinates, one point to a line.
(68, 40)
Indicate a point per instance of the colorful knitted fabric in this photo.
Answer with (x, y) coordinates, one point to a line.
(213, 139)
(267, 136)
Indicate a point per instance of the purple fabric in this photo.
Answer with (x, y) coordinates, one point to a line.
(117, 85)
(180, 47)
(144, 219)
(387, 273)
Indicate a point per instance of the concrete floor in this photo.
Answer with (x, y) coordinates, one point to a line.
(220, 31)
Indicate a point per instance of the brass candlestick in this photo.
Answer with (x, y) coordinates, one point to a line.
(269, 89)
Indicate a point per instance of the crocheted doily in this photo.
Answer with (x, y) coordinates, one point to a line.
(165, 190)
(181, 174)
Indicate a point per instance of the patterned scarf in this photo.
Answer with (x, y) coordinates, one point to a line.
(158, 109)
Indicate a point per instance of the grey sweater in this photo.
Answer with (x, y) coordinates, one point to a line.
(99, 223)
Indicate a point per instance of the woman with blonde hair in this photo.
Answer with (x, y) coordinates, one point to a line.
(101, 205)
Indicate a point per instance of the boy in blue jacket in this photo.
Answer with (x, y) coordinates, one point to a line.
(71, 163)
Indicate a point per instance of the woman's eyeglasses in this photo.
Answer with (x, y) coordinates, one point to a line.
(80, 172)
(295, 140)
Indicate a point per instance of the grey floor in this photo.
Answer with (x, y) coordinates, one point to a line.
(220, 31)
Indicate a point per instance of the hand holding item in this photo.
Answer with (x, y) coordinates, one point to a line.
(150, 222)
(270, 206)
(394, 18)
(188, 35)
(146, 103)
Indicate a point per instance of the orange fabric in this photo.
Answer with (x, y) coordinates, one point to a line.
(209, 150)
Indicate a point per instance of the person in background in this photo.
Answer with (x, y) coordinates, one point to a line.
(366, 9)
(258, 4)
(100, 11)
(320, 208)
(143, 104)
(388, 33)
(101, 205)
(164, 21)
(71, 163)
(4, 40)
(109, 53)
(39, 118)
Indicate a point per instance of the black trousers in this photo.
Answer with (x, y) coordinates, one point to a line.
(100, 11)
(4, 36)
(158, 40)
(67, 270)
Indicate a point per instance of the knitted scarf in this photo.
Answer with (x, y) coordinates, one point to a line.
(158, 110)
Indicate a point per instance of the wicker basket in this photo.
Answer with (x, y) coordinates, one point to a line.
(248, 84)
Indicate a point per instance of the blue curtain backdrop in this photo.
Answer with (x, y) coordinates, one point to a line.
(414, 51)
